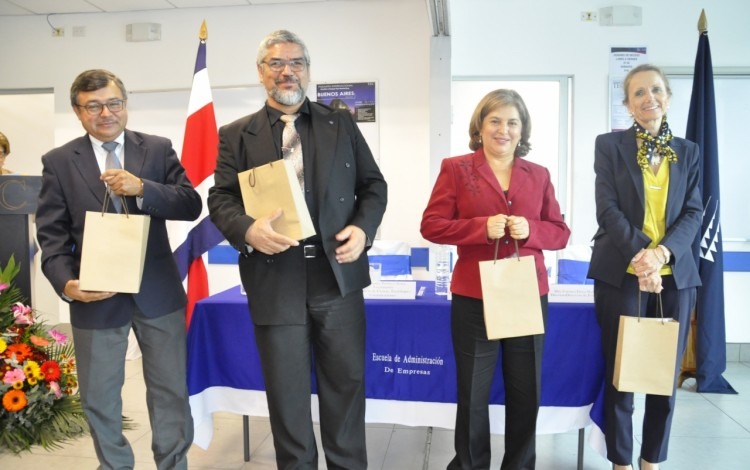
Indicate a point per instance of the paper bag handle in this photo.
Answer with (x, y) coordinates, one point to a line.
(105, 205)
(497, 243)
(661, 307)
(251, 176)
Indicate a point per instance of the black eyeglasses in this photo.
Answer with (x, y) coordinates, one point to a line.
(95, 109)
(277, 65)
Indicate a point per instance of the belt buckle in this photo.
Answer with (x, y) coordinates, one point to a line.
(310, 251)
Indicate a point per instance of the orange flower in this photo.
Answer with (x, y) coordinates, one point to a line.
(14, 400)
(51, 370)
(22, 352)
(38, 341)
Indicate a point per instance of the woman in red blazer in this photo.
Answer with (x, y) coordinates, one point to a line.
(478, 198)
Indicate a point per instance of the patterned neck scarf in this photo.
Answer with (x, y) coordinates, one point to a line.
(653, 149)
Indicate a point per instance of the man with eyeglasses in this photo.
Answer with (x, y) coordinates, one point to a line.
(305, 296)
(145, 171)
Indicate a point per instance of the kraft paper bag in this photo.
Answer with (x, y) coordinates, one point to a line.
(273, 185)
(510, 293)
(113, 252)
(646, 355)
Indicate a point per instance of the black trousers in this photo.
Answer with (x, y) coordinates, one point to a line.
(476, 359)
(611, 302)
(333, 342)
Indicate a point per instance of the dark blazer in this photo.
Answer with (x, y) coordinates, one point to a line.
(71, 187)
(620, 209)
(349, 190)
(467, 193)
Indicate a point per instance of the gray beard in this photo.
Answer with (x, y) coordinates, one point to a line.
(287, 98)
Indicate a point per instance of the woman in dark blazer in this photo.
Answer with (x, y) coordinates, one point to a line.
(648, 207)
(478, 198)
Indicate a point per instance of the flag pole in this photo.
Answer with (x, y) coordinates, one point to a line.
(689, 366)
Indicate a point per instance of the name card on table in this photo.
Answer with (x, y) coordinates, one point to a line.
(571, 293)
(391, 290)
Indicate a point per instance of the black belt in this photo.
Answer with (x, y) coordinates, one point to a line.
(313, 250)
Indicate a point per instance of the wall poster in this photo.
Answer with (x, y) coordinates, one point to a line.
(357, 98)
(621, 61)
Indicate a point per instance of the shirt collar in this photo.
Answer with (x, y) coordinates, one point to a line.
(274, 114)
(120, 139)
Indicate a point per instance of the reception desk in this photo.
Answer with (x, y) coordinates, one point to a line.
(410, 371)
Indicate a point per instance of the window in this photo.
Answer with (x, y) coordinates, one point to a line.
(732, 92)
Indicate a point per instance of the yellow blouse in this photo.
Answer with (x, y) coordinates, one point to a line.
(656, 187)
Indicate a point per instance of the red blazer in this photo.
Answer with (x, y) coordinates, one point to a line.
(467, 193)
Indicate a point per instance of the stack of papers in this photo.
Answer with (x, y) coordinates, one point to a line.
(571, 293)
(391, 290)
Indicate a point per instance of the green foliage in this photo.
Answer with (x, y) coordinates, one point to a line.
(40, 367)
(9, 295)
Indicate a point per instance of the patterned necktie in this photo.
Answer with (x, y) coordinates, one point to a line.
(291, 147)
(112, 162)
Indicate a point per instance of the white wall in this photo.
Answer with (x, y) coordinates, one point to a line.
(491, 38)
(386, 40)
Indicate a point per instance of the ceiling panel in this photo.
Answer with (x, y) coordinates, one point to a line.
(207, 3)
(131, 5)
(7, 8)
(47, 7)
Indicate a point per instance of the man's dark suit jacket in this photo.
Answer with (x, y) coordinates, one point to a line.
(620, 209)
(71, 187)
(349, 190)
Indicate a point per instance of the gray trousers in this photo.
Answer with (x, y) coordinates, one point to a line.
(100, 357)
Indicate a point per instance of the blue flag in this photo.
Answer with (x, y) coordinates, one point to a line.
(711, 355)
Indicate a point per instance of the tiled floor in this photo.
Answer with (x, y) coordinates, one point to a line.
(709, 432)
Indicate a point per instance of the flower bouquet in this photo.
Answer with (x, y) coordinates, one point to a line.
(38, 385)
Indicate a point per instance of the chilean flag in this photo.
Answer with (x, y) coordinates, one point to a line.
(199, 157)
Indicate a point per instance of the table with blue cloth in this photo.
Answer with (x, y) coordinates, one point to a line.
(410, 370)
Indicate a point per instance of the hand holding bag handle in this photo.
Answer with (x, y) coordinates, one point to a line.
(661, 307)
(105, 204)
(497, 244)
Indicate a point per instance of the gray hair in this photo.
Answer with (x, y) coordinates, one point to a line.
(279, 37)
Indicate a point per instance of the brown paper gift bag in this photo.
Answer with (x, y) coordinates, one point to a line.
(113, 251)
(273, 185)
(510, 294)
(645, 360)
